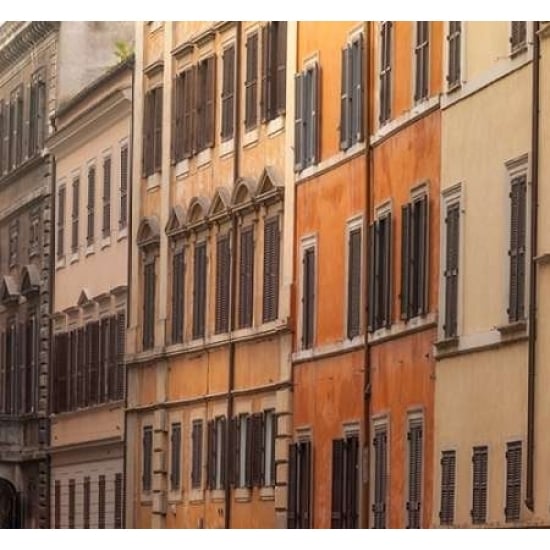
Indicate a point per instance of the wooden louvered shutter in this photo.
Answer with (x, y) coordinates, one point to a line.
(513, 481)
(82, 374)
(380, 477)
(371, 283)
(265, 99)
(345, 100)
(91, 205)
(124, 178)
(251, 82)
(175, 120)
(20, 381)
(308, 298)
(221, 426)
(2, 370)
(31, 122)
(106, 197)
(354, 283)
(337, 483)
(111, 388)
(316, 114)
(211, 452)
(479, 485)
(448, 481)
(280, 90)
(256, 449)
(452, 220)
(271, 269)
(199, 290)
(157, 132)
(61, 222)
(454, 38)
(145, 156)
(518, 35)
(40, 112)
(298, 123)
(383, 274)
(101, 502)
(103, 356)
(228, 93)
(119, 501)
(178, 278)
(60, 379)
(147, 458)
(187, 80)
(250, 451)
(246, 280)
(235, 436)
(385, 71)
(292, 493)
(516, 308)
(223, 275)
(120, 350)
(420, 257)
(181, 107)
(4, 138)
(95, 378)
(149, 286)
(196, 466)
(72, 503)
(357, 87)
(415, 439)
(405, 260)
(304, 485)
(351, 482)
(74, 226)
(57, 504)
(210, 101)
(86, 503)
(175, 457)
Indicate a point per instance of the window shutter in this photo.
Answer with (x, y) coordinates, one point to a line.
(251, 82)
(57, 504)
(351, 482)
(4, 138)
(178, 278)
(385, 71)
(516, 309)
(60, 385)
(256, 450)
(91, 204)
(280, 92)
(101, 503)
(308, 298)
(371, 309)
(405, 259)
(250, 450)
(106, 197)
(513, 481)
(71, 503)
(119, 501)
(337, 483)
(222, 426)
(149, 286)
(454, 38)
(414, 510)
(40, 113)
(82, 368)
(123, 219)
(210, 101)
(519, 35)
(386, 272)
(147, 458)
(354, 283)
(298, 123)
(61, 222)
(3, 371)
(120, 349)
(94, 363)
(345, 103)
(175, 459)
(196, 467)
(271, 269)
(86, 503)
(157, 143)
(357, 123)
(74, 235)
(199, 290)
(451, 269)
(235, 429)
(31, 140)
(380, 477)
(111, 386)
(223, 275)
(316, 113)
(228, 93)
(266, 73)
(187, 87)
(175, 120)
(479, 485)
(210, 454)
(30, 366)
(448, 480)
(304, 473)
(292, 493)
(422, 259)
(20, 378)
(147, 126)
(246, 288)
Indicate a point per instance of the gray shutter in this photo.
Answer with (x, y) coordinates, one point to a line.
(251, 82)
(516, 308)
(405, 260)
(271, 269)
(147, 137)
(188, 90)
(147, 458)
(177, 295)
(123, 219)
(423, 256)
(316, 114)
(380, 477)
(101, 502)
(228, 93)
(196, 465)
(157, 133)
(91, 205)
(246, 287)
(210, 101)
(479, 485)
(448, 482)
(280, 91)
(354, 283)
(265, 99)
(387, 297)
(414, 510)
(223, 274)
(175, 457)
(120, 349)
(345, 104)
(337, 483)
(372, 280)
(71, 506)
(304, 485)
(351, 482)
(211, 454)
(106, 197)
(86, 503)
(308, 298)
(298, 123)
(119, 501)
(292, 492)
(235, 433)
(513, 481)
(357, 125)
(452, 220)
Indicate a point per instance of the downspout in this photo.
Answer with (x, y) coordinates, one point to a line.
(128, 288)
(531, 365)
(233, 286)
(366, 254)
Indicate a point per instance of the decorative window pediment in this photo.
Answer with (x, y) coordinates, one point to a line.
(148, 234)
(30, 280)
(176, 221)
(197, 213)
(9, 293)
(269, 188)
(221, 204)
(85, 298)
(243, 194)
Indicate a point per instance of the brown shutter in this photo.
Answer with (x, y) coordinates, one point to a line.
(147, 458)
(3, 371)
(405, 260)
(119, 501)
(175, 459)
(61, 222)
(371, 308)
(448, 482)
(178, 109)
(452, 220)
(518, 35)
(454, 39)
(145, 165)
(106, 197)
(211, 454)
(60, 378)
(354, 283)
(513, 481)
(292, 492)
(187, 85)
(308, 298)
(223, 274)
(210, 101)
(95, 378)
(76, 193)
(235, 429)
(223, 427)
(71, 503)
(120, 350)
(196, 465)
(178, 279)
(357, 123)
(251, 83)
(149, 286)
(157, 140)
(124, 177)
(280, 91)
(414, 510)
(380, 477)
(82, 374)
(228, 93)
(20, 379)
(57, 504)
(516, 309)
(86, 503)
(351, 482)
(40, 112)
(298, 123)
(103, 358)
(422, 259)
(111, 389)
(316, 114)
(345, 100)
(479, 485)
(91, 205)
(4, 137)
(271, 269)
(266, 73)
(385, 71)
(304, 485)
(337, 483)
(246, 278)
(199, 290)
(101, 502)
(31, 123)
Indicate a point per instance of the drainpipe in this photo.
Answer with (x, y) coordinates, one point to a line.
(531, 365)
(233, 286)
(366, 252)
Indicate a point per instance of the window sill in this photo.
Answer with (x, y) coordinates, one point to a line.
(513, 328)
(267, 493)
(518, 50)
(398, 330)
(227, 147)
(60, 263)
(153, 181)
(204, 157)
(447, 344)
(182, 168)
(105, 242)
(276, 126)
(242, 494)
(122, 233)
(75, 256)
(90, 250)
(175, 497)
(250, 138)
(196, 496)
(217, 495)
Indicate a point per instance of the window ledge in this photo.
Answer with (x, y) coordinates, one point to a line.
(276, 126)
(153, 181)
(182, 168)
(512, 329)
(518, 50)
(74, 257)
(175, 497)
(122, 233)
(204, 157)
(196, 496)
(242, 494)
(90, 249)
(267, 493)
(217, 495)
(403, 328)
(250, 137)
(105, 242)
(60, 263)
(227, 147)
(446, 344)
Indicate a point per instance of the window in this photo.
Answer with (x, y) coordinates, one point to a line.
(414, 502)
(92, 338)
(91, 206)
(205, 103)
(380, 443)
(34, 232)
(448, 483)
(517, 250)
(223, 275)
(351, 102)
(242, 451)
(31, 363)
(13, 242)
(196, 454)
(182, 140)
(345, 482)
(106, 197)
(178, 286)
(273, 101)
(269, 435)
(380, 235)
(57, 504)
(454, 39)
(86, 503)
(308, 297)
(386, 28)
(152, 132)
(149, 288)
(71, 503)
(61, 222)
(119, 503)
(513, 481)
(216, 453)
(272, 246)
(3, 136)
(306, 122)
(518, 36)
(251, 82)
(228, 93)
(452, 228)
(422, 61)
(354, 283)
(479, 485)
(101, 502)
(199, 290)
(76, 199)
(299, 485)
(124, 177)
(175, 459)
(414, 258)
(246, 277)
(37, 112)
(147, 458)
(16, 128)
(60, 372)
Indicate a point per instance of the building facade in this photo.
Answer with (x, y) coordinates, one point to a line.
(92, 149)
(208, 347)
